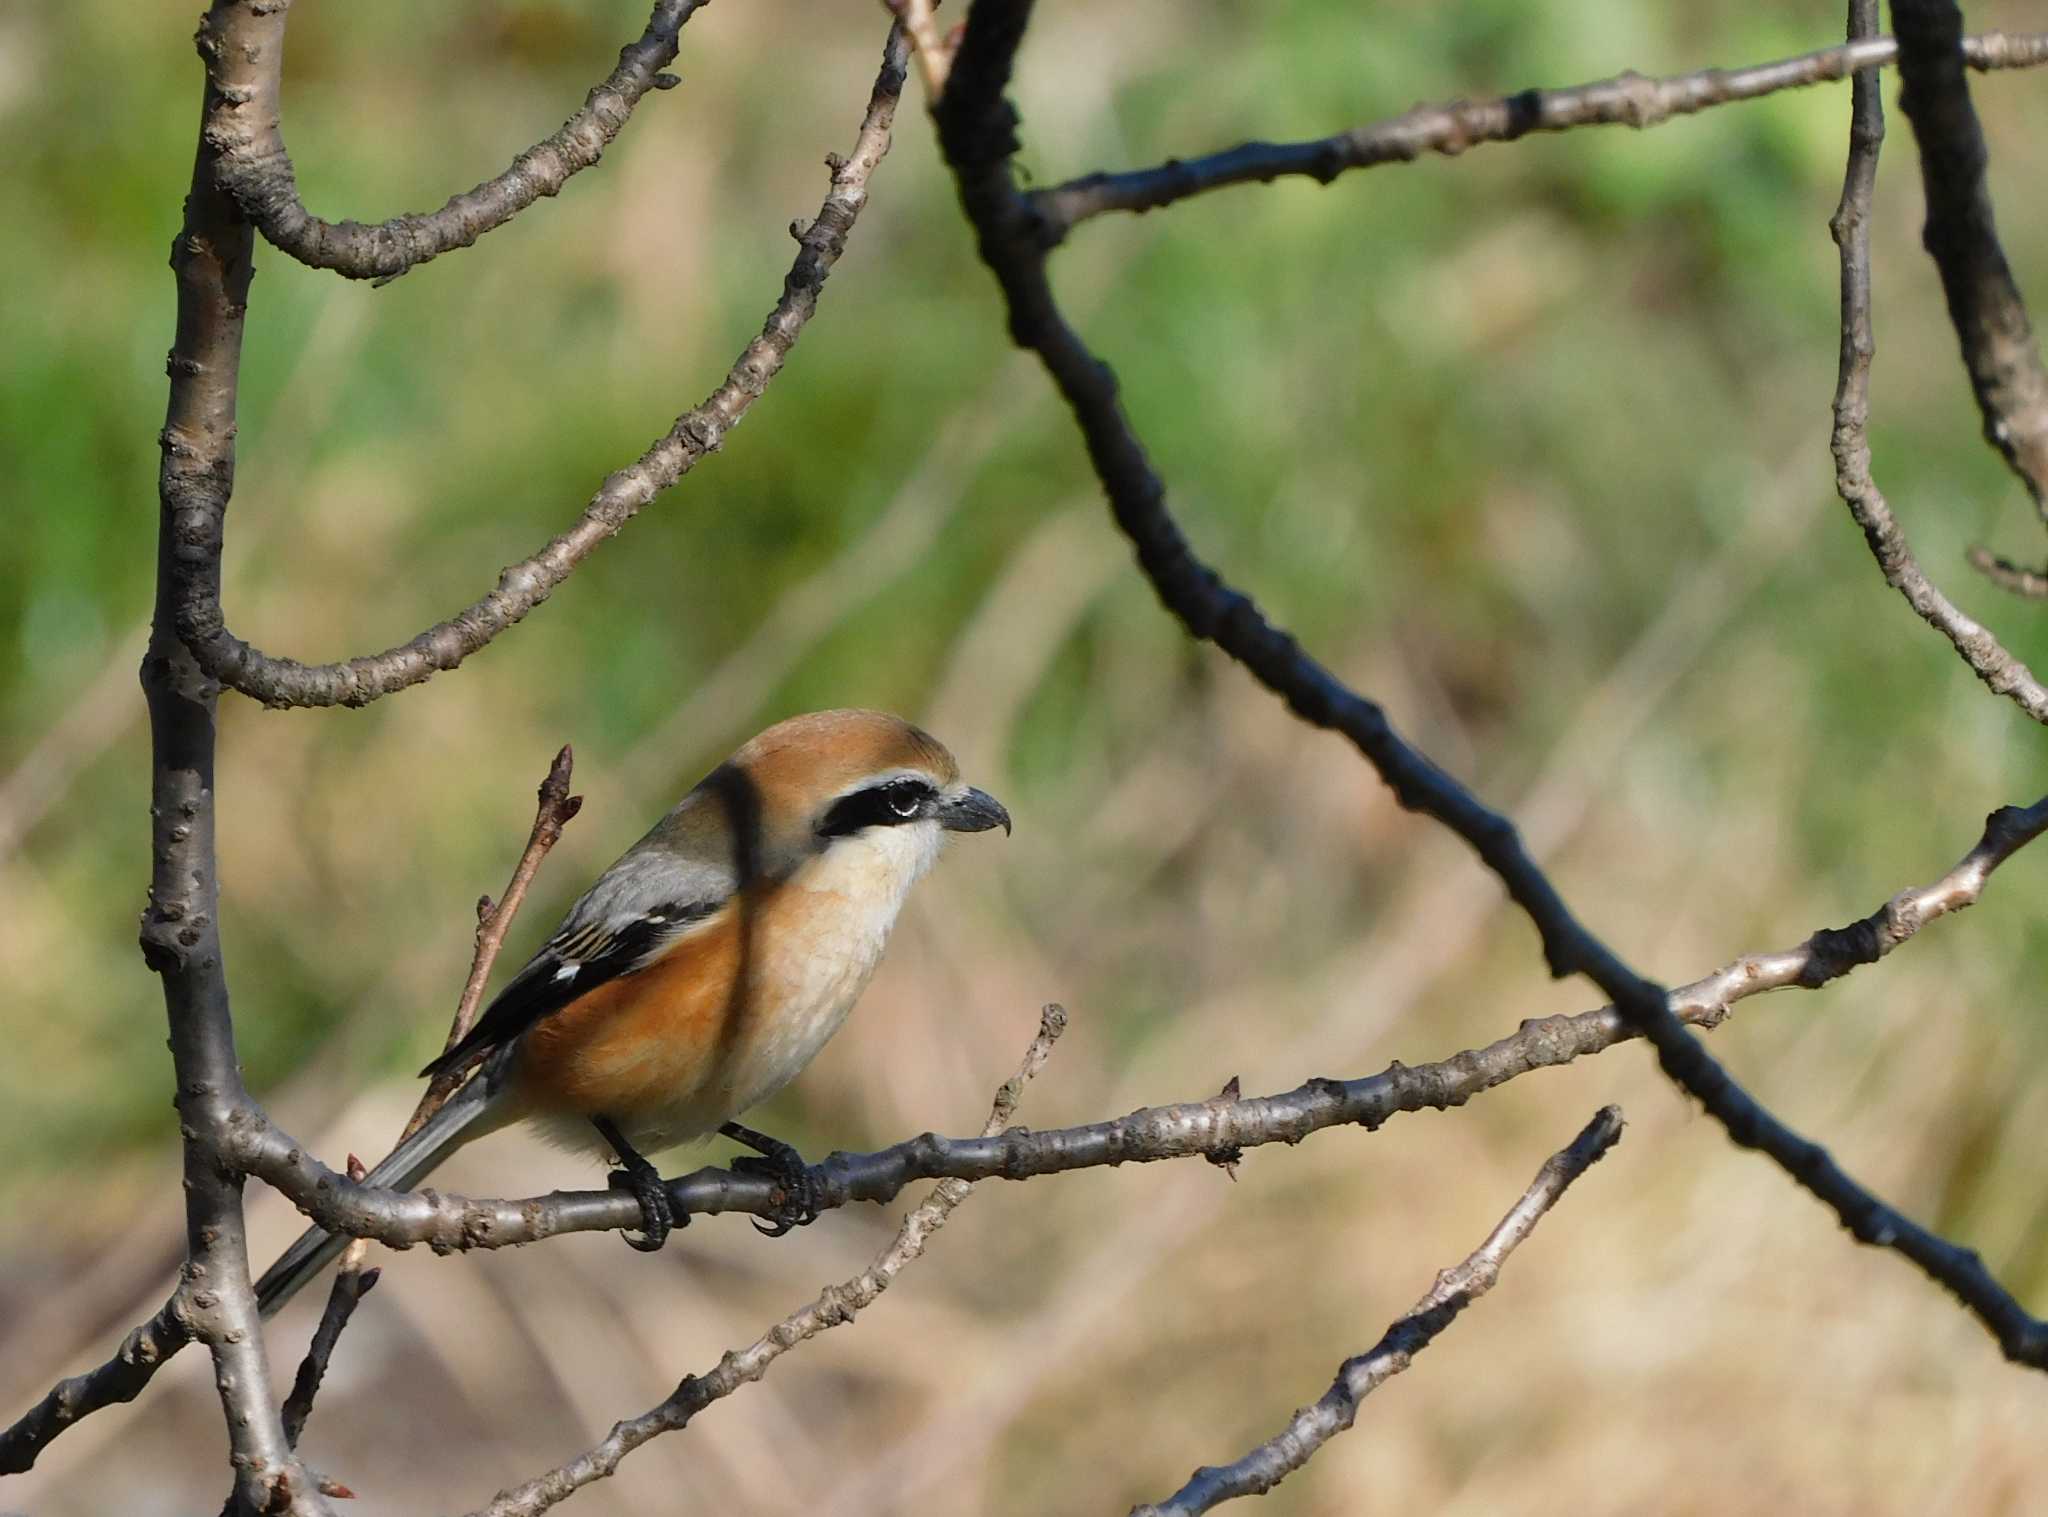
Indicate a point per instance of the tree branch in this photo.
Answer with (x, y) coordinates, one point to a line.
(351, 1283)
(122, 1378)
(834, 1306)
(1850, 226)
(977, 130)
(1629, 99)
(698, 432)
(180, 937)
(1455, 1289)
(1182, 1130)
(257, 172)
(554, 810)
(1154, 1133)
(1961, 234)
(930, 47)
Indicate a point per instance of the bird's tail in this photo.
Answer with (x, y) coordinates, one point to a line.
(445, 1131)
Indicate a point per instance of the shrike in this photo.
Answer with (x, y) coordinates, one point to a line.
(705, 968)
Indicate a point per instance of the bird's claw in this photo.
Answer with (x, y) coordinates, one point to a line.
(796, 1200)
(657, 1211)
(798, 1203)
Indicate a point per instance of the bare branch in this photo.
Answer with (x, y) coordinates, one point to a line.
(1962, 235)
(180, 937)
(1206, 1128)
(555, 809)
(698, 432)
(834, 1306)
(257, 172)
(122, 1378)
(1183, 1130)
(1629, 99)
(1455, 1289)
(351, 1283)
(2017, 579)
(1979, 647)
(977, 129)
(930, 47)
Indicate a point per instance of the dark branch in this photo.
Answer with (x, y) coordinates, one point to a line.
(697, 433)
(351, 1283)
(1455, 1289)
(1196, 1127)
(257, 172)
(1854, 482)
(1629, 99)
(977, 130)
(1962, 236)
(180, 938)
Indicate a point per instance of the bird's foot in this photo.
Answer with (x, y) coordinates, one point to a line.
(797, 1204)
(657, 1212)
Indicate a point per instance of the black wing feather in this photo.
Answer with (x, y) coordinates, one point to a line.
(597, 952)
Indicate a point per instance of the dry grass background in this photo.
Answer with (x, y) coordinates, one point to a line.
(1532, 446)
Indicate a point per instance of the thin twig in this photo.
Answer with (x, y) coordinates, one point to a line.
(1455, 1289)
(122, 1378)
(1987, 658)
(977, 130)
(1961, 234)
(1629, 99)
(1203, 1128)
(930, 48)
(554, 810)
(351, 1283)
(696, 434)
(2016, 579)
(257, 172)
(835, 1306)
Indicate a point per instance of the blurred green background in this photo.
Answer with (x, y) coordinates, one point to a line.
(1532, 446)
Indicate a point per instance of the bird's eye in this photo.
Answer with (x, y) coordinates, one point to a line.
(886, 805)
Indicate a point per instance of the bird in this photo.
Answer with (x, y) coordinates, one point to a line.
(704, 969)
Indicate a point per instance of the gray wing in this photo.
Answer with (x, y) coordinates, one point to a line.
(624, 922)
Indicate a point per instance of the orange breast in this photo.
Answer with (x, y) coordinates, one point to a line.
(647, 1042)
(727, 1017)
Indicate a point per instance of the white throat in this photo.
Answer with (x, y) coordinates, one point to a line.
(872, 871)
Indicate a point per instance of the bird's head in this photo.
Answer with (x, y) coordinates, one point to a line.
(863, 787)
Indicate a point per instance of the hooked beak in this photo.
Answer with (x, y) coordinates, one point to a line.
(973, 811)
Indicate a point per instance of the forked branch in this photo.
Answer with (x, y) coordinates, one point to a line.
(1450, 128)
(1977, 645)
(977, 129)
(1984, 303)
(697, 433)
(257, 172)
(1455, 1289)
